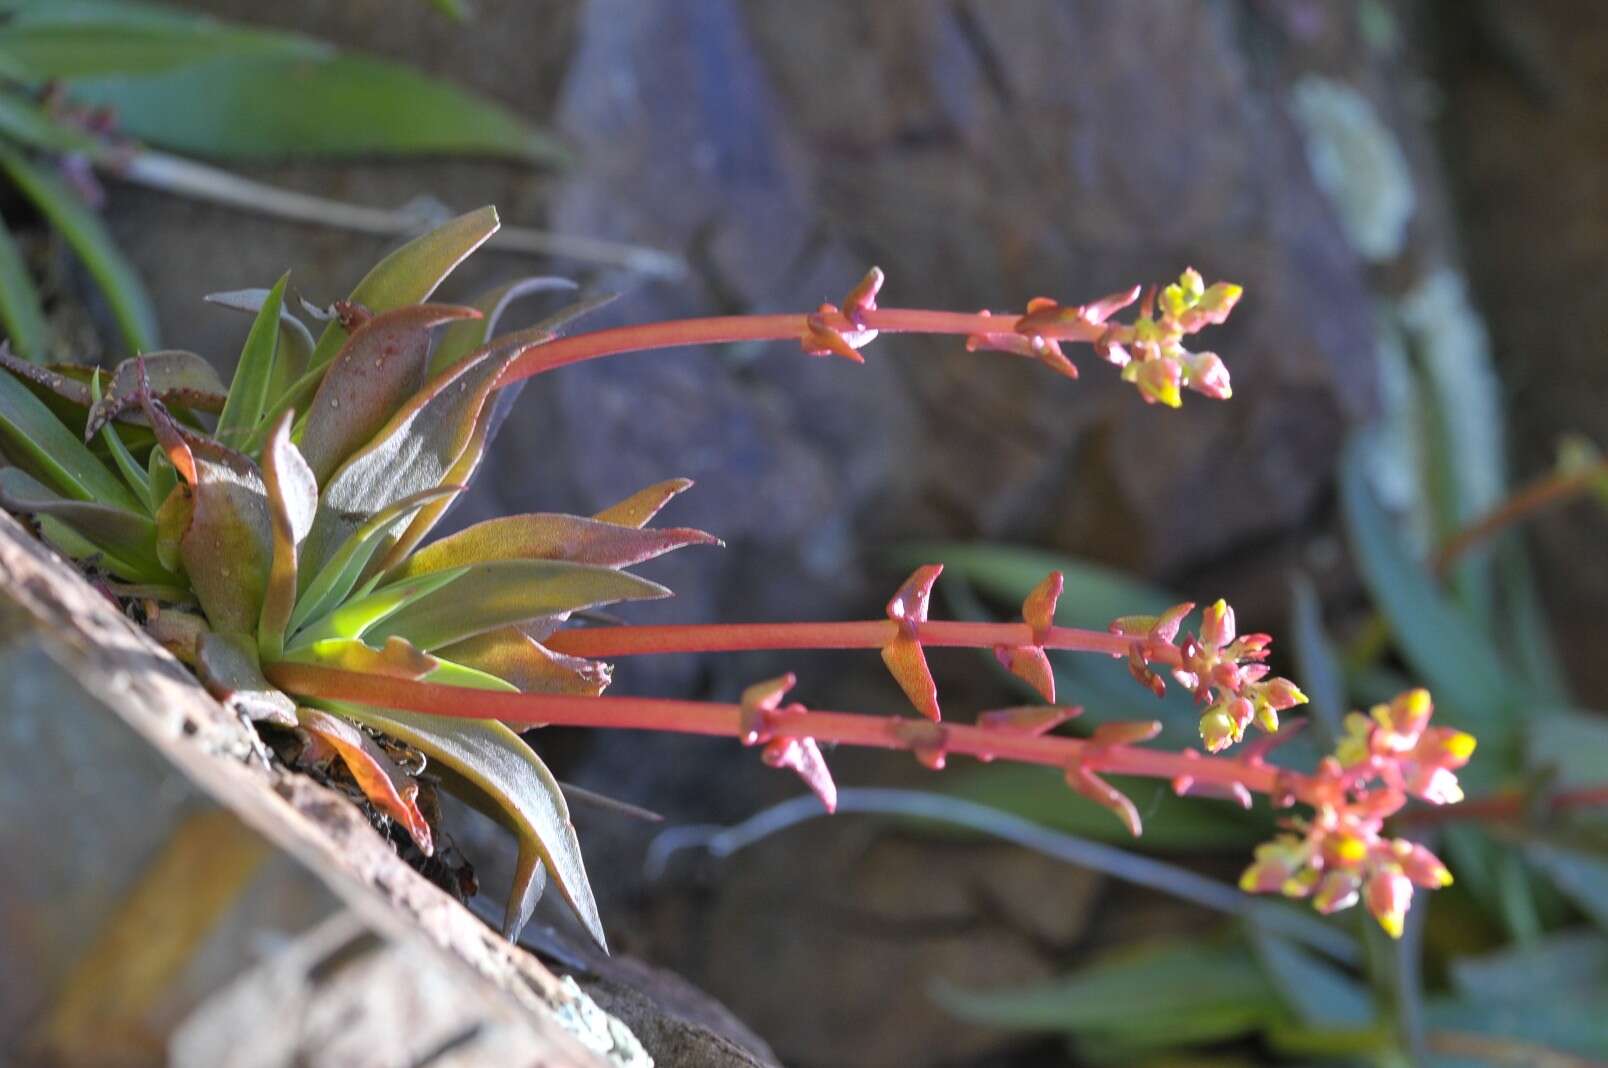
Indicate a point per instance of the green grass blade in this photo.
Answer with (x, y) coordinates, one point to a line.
(103, 44)
(35, 440)
(133, 474)
(89, 238)
(20, 311)
(248, 390)
(341, 107)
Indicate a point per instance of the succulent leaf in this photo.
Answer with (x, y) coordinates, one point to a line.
(249, 389)
(174, 377)
(496, 593)
(416, 451)
(396, 659)
(411, 273)
(525, 663)
(293, 344)
(509, 782)
(36, 441)
(21, 312)
(336, 580)
(138, 481)
(461, 339)
(639, 508)
(292, 501)
(387, 787)
(379, 368)
(227, 549)
(228, 667)
(551, 536)
(129, 537)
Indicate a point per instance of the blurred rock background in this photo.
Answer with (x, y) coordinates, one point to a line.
(1383, 177)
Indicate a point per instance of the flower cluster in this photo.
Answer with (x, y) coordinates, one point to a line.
(1151, 351)
(1340, 854)
(1224, 671)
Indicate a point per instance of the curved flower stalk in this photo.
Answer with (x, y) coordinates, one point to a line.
(277, 535)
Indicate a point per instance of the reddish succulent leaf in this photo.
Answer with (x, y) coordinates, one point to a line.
(227, 549)
(903, 654)
(908, 664)
(173, 443)
(411, 273)
(1038, 609)
(548, 536)
(1126, 733)
(292, 500)
(381, 365)
(387, 786)
(908, 605)
(228, 667)
(517, 658)
(1107, 796)
(508, 781)
(1028, 719)
(500, 592)
(804, 756)
(1028, 663)
(637, 509)
(396, 659)
(68, 382)
(416, 450)
(175, 376)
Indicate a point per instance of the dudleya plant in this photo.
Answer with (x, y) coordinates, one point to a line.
(274, 533)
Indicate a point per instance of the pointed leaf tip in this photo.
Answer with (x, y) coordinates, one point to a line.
(1028, 663)
(908, 665)
(908, 605)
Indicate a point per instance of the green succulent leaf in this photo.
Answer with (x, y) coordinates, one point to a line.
(354, 618)
(84, 231)
(411, 273)
(133, 474)
(417, 450)
(551, 536)
(227, 549)
(63, 387)
(28, 124)
(396, 658)
(341, 574)
(380, 367)
(248, 390)
(34, 439)
(106, 41)
(1319, 667)
(292, 350)
(508, 781)
(127, 536)
(489, 595)
(21, 313)
(343, 106)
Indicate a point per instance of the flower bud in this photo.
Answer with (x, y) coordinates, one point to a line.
(1420, 865)
(1217, 729)
(1217, 625)
(1208, 376)
(1389, 894)
(1338, 890)
(1159, 381)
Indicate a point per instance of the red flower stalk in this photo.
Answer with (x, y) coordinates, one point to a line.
(1149, 351)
